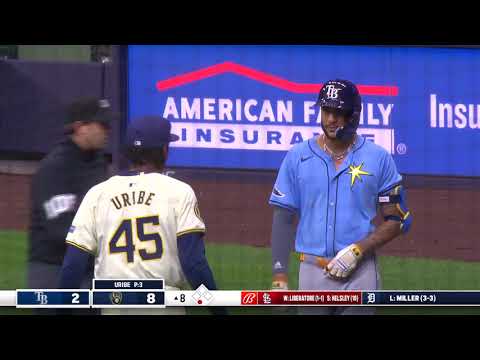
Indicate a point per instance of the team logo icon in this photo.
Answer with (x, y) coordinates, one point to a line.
(277, 192)
(249, 298)
(116, 298)
(197, 212)
(332, 92)
(278, 265)
(356, 172)
(266, 298)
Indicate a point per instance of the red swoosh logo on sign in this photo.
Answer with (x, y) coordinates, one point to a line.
(263, 77)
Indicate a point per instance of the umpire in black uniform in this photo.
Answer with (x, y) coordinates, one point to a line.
(62, 180)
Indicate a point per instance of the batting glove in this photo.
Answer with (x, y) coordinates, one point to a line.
(342, 265)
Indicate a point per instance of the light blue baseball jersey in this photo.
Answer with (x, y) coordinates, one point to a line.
(335, 207)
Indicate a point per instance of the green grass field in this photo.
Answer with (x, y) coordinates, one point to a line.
(239, 267)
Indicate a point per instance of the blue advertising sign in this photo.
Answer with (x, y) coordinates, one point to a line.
(244, 106)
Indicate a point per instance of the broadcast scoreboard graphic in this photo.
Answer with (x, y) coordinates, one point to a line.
(140, 293)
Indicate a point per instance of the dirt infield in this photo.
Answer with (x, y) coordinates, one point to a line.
(235, 207)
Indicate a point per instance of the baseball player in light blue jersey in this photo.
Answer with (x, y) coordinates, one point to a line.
(335, 183)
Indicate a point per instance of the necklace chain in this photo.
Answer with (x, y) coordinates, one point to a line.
(332, 153)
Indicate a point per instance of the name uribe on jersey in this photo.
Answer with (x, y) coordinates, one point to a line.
(141, 224)
(132, 199)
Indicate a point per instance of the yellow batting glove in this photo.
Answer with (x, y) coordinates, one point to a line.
(342, 265)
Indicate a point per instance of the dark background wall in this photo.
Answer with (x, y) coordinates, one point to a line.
(35, 94)
(33, 99)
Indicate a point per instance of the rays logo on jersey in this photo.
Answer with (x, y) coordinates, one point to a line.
(356, 172)
(278, 193)
(116, 298)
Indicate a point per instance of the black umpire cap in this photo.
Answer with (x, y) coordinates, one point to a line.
(91, 109)
(149, 132)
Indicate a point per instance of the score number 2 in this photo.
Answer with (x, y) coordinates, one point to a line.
(75, 298)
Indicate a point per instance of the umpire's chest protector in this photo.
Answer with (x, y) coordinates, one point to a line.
(335, 206)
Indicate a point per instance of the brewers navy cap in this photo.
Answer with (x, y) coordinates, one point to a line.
(91, 109)
(149, 132)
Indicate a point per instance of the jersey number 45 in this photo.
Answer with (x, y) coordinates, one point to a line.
(125, 229)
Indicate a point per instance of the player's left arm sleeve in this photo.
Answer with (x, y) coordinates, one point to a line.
(282, 239)
(285, 193)
(191, 252)
(74, 268)
(82, 232)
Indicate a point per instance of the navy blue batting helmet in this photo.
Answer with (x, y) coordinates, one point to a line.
(344, 96)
